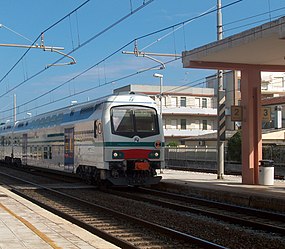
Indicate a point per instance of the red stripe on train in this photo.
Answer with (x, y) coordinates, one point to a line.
(136, 154)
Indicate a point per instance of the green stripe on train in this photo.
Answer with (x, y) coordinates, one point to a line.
(130, 144)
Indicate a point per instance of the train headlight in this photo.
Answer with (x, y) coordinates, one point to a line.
(116, 154)
(157, 144)
(155, 154)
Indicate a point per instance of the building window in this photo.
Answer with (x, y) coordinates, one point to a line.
(183, 124)
(174, 101)
(173, 124)
(197, 102)
(278, 82)
(202, 143)
(204, 124)
(183, 101)
(204, 103)
(182, 142)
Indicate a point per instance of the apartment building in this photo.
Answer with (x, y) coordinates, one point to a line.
(186, 111)
(272, 85)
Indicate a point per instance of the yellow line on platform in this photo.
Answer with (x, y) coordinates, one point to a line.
(32, 228)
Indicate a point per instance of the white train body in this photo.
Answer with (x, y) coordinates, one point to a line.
(118, 139)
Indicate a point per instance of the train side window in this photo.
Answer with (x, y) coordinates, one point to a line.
(40, 156)
(97, 128)
(35, 152)
(45, 153)
(31, 151)
(50, 152)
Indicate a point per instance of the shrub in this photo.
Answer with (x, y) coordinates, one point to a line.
(234, 147)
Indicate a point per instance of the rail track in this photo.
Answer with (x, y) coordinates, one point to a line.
(203, 224)
(257, 219)
(116, 227)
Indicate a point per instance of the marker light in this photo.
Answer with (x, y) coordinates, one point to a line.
(116, 154)
(155, 154)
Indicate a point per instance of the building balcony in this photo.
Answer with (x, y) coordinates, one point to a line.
(189, 111)
(186, 133)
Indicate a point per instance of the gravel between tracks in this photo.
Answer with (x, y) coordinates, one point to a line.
(219, 232)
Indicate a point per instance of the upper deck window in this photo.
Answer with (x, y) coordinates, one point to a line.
(130, 121)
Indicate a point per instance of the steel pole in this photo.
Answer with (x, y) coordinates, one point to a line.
(220, 103)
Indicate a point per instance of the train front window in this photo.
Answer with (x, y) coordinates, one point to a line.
(122, 120)
(132, 121)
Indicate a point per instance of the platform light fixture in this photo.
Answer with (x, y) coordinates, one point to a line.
(160, 76)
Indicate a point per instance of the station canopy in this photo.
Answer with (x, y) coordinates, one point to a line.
(262, 47)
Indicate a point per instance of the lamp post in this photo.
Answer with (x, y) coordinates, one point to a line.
(160, 76)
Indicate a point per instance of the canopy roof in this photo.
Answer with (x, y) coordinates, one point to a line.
(262, 47)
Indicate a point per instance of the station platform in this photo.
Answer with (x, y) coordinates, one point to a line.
(229, 190)
(25, 225)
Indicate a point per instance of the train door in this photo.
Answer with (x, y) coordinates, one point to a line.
(24, 149)
(69, 149)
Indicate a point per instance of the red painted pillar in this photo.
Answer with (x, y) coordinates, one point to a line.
(251, 124)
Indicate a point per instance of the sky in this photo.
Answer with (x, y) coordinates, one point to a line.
(94, 33)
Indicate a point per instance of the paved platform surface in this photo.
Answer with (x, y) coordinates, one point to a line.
(230, 189)
(26, 225)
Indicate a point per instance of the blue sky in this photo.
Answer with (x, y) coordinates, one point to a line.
(101, 66)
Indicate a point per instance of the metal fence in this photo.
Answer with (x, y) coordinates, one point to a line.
(270, 152)
(275, 153)
(196, 153)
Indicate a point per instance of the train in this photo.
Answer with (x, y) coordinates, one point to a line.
(116, 140)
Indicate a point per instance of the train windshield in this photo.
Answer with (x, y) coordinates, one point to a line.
(132, 121)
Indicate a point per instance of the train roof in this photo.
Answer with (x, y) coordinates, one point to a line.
(75, 112)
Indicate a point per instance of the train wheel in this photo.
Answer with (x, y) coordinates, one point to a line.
(8, 160)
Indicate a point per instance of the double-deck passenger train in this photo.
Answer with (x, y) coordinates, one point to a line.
(117, 139)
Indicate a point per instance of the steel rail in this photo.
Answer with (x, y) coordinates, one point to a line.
(121, 243)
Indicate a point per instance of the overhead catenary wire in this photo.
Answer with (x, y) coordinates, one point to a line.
(39, 36)
(72, 51)
(123, 47)
(197, 83)
(252, 23)
(253, 16)
(114, 52)
(169, 27)
(97, 35)
(137, 38)
(177, 28)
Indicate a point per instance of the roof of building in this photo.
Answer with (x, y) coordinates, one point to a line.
(167, 90)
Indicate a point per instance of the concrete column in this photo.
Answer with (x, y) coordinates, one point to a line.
(251, 124)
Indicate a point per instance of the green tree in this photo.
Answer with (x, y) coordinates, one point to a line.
(172, 144)
(234, 147)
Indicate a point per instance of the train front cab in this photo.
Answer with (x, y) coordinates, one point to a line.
(134, 147)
